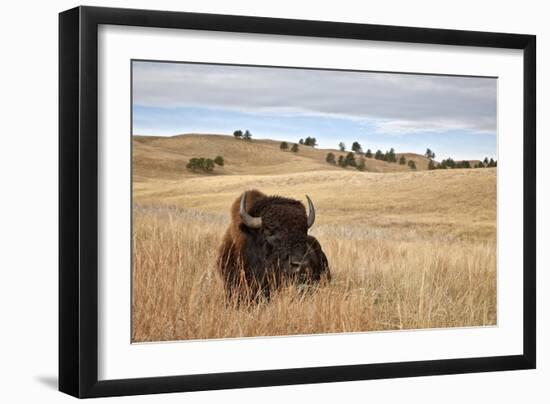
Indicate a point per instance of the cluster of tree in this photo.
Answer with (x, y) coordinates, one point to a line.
(389, 156)
(285, 146)
(309, 141)
(449, 163)
(204, 164)
(429, 154)
(240, 135)
(410, 163)
(487, 163)
(348, 160)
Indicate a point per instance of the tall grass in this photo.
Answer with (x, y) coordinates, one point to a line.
(383, 279)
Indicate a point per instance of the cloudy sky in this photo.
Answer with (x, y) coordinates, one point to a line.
(454, 116)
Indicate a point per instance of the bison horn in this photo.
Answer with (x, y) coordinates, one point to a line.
(249, 221)
(311, 214)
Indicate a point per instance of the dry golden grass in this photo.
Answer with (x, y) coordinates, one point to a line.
(406, 250)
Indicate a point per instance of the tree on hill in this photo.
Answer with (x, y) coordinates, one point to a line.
(431, 165)
(247, 135)
(301, 141)
(219, 161)
(331, 158)
(310, 141)
(379, 155)
(349, 160)
(294, 148)
(485, 161)
(402, 160)
(356, 147)
(412, 164)
(342, 146)
(195, 164)
(390, 156)
(200, 164)
(479, 165)
(238, 134)
(341, 161)
(368, 153)
(284, 146)
(429, 154)
(492, 163)
(447, 163)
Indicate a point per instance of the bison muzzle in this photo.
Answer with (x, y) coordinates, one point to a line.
(267, 245)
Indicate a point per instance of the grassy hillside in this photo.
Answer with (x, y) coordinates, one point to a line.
(166, 157)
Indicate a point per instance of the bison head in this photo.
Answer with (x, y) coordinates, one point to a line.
(277, 234)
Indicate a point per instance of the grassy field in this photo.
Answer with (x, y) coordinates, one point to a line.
(407, 249)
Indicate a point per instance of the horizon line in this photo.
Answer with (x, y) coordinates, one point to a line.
(297, 142)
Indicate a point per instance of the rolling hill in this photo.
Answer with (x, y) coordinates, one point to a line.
(166, 157)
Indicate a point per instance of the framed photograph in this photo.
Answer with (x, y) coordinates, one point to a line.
(250, 201)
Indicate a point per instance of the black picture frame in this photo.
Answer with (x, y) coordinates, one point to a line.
(78, 201)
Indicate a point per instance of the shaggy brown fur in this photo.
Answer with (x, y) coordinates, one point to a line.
(252, 262)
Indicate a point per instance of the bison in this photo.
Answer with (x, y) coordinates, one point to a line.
(267, 245)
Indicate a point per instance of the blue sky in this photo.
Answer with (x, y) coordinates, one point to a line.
(454, 116)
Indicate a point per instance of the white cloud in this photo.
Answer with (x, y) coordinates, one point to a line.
(400, 103)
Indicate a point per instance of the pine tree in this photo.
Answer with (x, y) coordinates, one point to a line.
(342, 146)
(350, 160)
(331, 158)
(390, 156)
(294, 148)
(412, 164)
(368, 153)
(238, 134)
(310, 141)
(284, 146)
(356, 147)
(247, 135)
(219, 161)
(402, 160)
